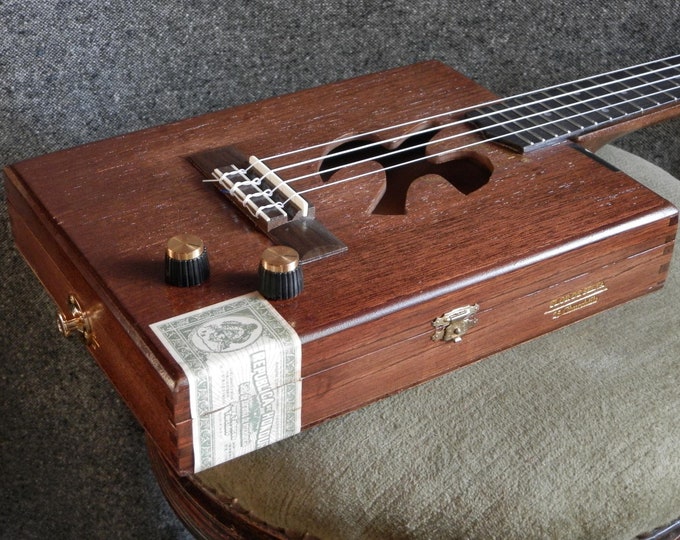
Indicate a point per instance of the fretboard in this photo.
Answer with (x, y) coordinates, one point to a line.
(547, 116)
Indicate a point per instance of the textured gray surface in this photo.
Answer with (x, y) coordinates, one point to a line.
(73, 459)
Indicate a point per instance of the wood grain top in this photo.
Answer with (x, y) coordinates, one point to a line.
(113, 204)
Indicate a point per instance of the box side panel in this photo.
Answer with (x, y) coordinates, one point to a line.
(523, 277)
(501, 325)
(152, 398)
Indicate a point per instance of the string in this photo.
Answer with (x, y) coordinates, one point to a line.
(474, 118)
(475, 143)
(470, 119)
(478, 130)
(450, 150)
(463, 110)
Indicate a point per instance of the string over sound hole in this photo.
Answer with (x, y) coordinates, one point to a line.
(404, 165)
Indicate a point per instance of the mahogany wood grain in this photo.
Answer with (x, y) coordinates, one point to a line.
(146, 388)
(597, 139)
(417, 359)
(526, 229)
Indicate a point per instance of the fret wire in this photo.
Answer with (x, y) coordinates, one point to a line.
(663, 85)
(607, 107)
(454, 123)
(507, 125)
(598, 116)
(660, 83)
(444, 139)
(523, 121)
(542, 128)
(555, 129)
(639, 78)
(629, 108)
(644, 98)
(562, 120)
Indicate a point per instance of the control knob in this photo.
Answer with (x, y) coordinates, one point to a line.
(186, 261)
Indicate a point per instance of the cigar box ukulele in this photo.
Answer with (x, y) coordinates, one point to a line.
(252, 272)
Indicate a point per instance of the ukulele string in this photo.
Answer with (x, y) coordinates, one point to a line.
(466, 109)
(478, 130)
(281, 204)
(479, 117)
(472, 119)
(269, 192)
(257, 181)
(456, 149)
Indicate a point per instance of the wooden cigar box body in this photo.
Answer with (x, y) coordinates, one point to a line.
(532, 241)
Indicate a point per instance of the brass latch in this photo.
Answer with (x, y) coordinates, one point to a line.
(79, 321)
(453, 325)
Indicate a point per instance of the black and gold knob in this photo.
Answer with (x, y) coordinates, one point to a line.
(186, 261)
(280, 273)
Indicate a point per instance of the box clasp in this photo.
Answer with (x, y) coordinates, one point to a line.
(454, 324)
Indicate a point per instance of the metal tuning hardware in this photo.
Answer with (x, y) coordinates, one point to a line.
(454, 324)
(79, 321)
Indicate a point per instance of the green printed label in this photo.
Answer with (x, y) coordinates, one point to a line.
(242, 361)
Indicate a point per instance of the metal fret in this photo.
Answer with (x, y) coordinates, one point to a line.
(530, 118)
(648, 100)
(562, 106)
(574, 95)
(495, 127)
(623, 93)
(548, 111)
(664, 90)
(604, 101)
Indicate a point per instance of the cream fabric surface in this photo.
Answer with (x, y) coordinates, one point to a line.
(573, 435)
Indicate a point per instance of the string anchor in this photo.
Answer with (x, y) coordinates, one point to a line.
(268, 201)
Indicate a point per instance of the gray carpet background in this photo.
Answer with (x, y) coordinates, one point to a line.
(73, 461)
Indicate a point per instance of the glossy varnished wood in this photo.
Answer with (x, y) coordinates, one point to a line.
(94, 220)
